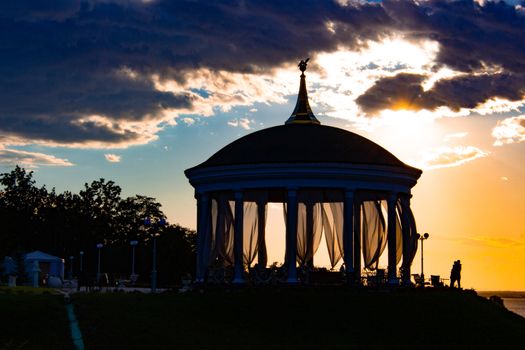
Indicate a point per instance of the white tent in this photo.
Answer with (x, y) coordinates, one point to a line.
(49, 264)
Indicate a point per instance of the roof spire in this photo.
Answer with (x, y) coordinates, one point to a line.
(302, 114)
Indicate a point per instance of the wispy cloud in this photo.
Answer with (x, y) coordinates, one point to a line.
(509, 130)
(112, 158)
(496, 242)
(445, 157)
(11, 157)
(492, 241)
(188, 121)
(457, 135)
(240, 122)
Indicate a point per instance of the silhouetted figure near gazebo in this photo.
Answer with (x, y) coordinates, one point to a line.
(455, 274)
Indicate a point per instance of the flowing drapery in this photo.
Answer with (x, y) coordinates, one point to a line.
(212, 233)
(309, 231)
(399, 236)
(221, 235)
(333, 218)
(319, 212)
(374, 233)
(262, 210)
(250, 232)
(309, 226)
(413, 240)
(222, 231)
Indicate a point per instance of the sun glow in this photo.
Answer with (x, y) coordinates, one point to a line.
(353, 72)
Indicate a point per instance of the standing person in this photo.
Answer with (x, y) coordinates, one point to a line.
(453, 274)
(458, 273)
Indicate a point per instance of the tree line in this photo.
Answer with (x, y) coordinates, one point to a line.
(64, 224)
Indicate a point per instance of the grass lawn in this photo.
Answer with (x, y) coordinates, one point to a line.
(32, 319)
(297, 318)
(284, 318)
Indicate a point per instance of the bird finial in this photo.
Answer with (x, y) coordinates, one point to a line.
(302, 114)
(302, 65)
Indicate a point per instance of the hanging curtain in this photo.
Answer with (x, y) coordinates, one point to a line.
(224, 232)
(250, 232)
(308, 238)
(413, 234)
(212, 249)
(302, 234)
(229, 232)
(333, 218)
(410, 237)
(261, 228)
(222, 221)
(285, 210)
(374, 234)
(399, 236)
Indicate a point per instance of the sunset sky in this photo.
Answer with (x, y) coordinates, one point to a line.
(138, 91)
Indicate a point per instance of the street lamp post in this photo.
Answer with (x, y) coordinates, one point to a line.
(133, 245)
(156, 227)
(71, 258)
(81, 258)
(99, 247)
(422, 238)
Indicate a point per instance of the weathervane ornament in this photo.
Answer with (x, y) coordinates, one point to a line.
(302, 65)
(302, 114)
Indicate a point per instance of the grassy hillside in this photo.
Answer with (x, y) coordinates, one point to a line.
(297, 318)
(286, 318)
(32, 319)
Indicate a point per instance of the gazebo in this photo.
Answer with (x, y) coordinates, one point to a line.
(329, 181)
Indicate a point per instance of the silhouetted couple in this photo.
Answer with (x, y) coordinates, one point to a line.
(455, 274)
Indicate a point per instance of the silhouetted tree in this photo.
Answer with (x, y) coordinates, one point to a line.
(65, 223)
(177, 251)
(133, 211)
(21, 207)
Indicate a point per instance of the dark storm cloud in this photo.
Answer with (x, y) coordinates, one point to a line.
(404, 91)
(470, 36)
(60, 60)
(401, 91)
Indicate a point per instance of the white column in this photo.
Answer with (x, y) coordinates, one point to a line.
(203, 200)
(238, 239)
(291, 235)
(357, 239)
(348, 231)
(391, 236)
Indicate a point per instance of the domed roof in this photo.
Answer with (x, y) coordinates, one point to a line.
(303, 140)
(303, 143)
